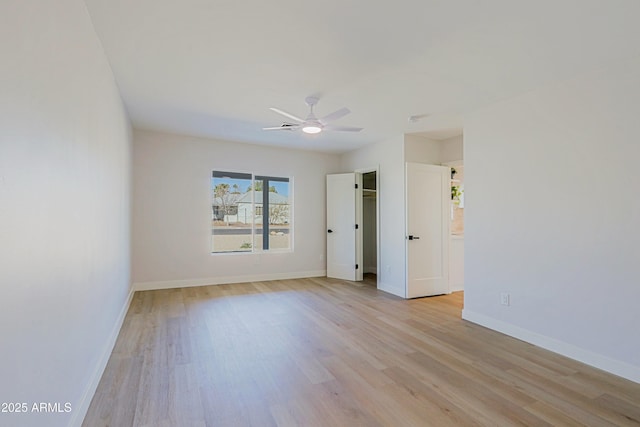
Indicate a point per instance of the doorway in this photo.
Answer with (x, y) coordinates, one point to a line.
(353, 231)
(370, 227)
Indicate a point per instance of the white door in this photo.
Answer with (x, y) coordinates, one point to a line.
(344, 237)
(427, 202)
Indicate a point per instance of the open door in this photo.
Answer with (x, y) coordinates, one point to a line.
(427, 238)
(344, 237)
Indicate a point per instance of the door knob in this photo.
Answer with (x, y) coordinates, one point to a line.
(329, 231)
(412, 237)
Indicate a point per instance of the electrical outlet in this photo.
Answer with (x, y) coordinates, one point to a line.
(505, 298)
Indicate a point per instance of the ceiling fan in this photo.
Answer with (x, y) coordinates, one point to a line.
(312, 124)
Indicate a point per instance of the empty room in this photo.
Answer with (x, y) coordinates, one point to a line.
(218, 213)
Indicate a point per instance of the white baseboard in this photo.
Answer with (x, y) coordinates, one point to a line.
(596, 360)
(170, 284)
(80, 411)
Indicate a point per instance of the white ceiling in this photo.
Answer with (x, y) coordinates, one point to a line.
(212, 68)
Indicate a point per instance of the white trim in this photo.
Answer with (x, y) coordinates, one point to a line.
(616, 367)
(83, 404)
(206, 281)
(252, 252)
(454, 163)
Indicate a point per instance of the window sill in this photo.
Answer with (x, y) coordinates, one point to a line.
(272, 251)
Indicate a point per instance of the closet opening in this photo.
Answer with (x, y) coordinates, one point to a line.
(370, 228)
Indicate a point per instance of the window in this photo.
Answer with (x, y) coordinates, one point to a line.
(250, 213)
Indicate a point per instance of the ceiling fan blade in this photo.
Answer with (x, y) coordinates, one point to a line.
(335, 115)
(282, 128)
(289, 115)
(342, 128)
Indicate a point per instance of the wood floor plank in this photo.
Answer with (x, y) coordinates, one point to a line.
(327, 352)
(552, 415)
(630, 412)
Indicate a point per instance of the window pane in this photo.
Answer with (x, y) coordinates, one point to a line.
(279, 214)
(231, 232)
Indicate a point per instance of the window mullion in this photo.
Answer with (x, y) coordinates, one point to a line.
(265, 213)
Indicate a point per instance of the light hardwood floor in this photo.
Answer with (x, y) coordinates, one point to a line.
(324, 352)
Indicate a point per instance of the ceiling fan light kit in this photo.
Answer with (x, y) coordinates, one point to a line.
(311, 128)
(313, 125)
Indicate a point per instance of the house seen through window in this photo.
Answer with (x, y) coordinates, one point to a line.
(250, 212)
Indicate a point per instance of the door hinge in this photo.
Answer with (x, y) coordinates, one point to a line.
(357, 266)
(357, 226)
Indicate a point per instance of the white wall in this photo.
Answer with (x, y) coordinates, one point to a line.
(172, 211)
(551, 217)
(418, 149)
(451, 150)
(64, 209)
(421, 149)
(388, 155)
